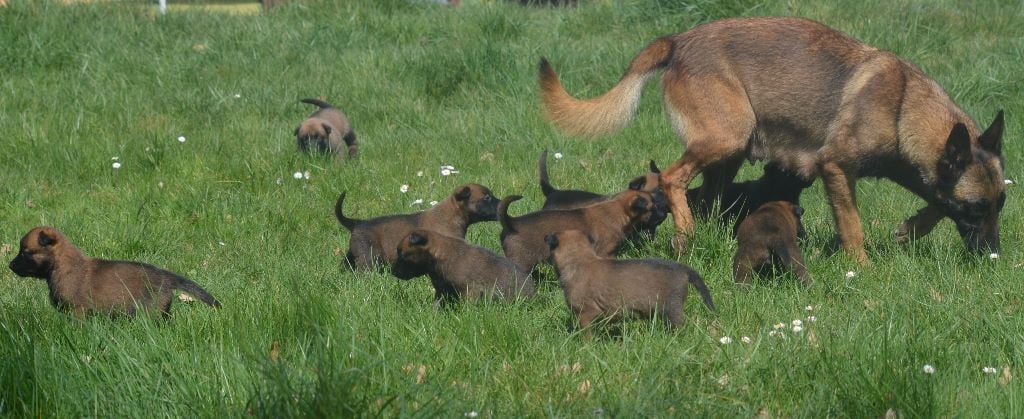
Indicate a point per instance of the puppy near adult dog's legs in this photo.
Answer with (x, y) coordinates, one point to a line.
(767, 238)
(81, 285)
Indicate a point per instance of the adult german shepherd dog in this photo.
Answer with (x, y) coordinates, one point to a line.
(816, 102)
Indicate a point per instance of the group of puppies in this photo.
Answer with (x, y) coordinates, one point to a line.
(579, 233)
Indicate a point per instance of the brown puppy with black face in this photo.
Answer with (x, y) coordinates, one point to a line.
(459, 270)
(81, 285)
(327, 131)
(596, 286)
(376, 240)
(557, 199)
(608, 222)
(768, 238)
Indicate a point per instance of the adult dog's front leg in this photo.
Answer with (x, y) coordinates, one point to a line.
(840, 187)
(675, 180)
(919, 225)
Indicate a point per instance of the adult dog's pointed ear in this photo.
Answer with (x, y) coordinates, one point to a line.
(654, 168)
(327, 129)
(992, 139)
(957, 156)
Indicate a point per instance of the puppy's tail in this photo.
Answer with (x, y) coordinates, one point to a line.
(612, 110)
(503, 218)
(702, 288)
(348, 223)
(195, 290)
(317, 102)
(542, 172)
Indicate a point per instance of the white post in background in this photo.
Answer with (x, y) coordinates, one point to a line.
(163, 7)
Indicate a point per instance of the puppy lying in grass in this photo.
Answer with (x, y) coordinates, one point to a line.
(597, 286)
(459, 270)
(84, 285)
(767, 239)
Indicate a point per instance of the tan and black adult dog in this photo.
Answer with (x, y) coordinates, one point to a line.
(814, 101)
(83, 285)
(375, 240)
(557, 199)
(459, 270)
(597, 286)
(327, 131)
(609, 222)
(767, 239)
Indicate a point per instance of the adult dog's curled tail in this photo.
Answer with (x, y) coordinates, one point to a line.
(503, 217)
(612, 110)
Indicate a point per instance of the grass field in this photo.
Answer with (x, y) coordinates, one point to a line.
(428, 85)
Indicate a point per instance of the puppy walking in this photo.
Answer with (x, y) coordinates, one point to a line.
(596, 286)
(459, 270)
(82, 285)
(608, 222)
(767, 238)
(816, 102)
(375, 240)
(327, 131)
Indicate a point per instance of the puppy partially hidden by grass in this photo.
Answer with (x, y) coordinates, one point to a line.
(597, 287)
(608, 222)
(767, 239)
(375, 241)
(327, 131)
(459, 270)
(83, 285)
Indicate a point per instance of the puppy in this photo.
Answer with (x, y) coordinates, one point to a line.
(327, 131)
(559, 199)
(608, 222)
(596, 286)
(767, 238)
(739, 199)
(82, 285)
(375, 240)
(458, 269)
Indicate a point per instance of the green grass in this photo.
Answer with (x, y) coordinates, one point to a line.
(427, 85)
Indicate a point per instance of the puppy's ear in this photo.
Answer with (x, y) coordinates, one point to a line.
(46, 240)
(417, 239)
(957, 155)
(654, 168)
(463, 194)
(638, 183)
(297, 131)
(798, 210)
(551, 240)
(327, 129)
(992, 138)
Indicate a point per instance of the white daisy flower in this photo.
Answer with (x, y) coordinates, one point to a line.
(725, 340)
(778, 326)
(116, 165)
(471, 414)
(774, 333)
(115, 158)
(181, 138)
(558, 156)
(433, 203)
(305, 175)
(1008, 181)
(416, 202)
(419, 173)
(403, 189)
(989, 370)
(797, 322)
(850, 274)
(809, 308)
(237, 96)
(811, 319)
(928, 369)
(798, 329)
(297, 175)
(745, 339)
(993, 256)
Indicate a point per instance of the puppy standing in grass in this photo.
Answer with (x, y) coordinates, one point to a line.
(375, 240)
(608, 222)
(459, 270)
(82, 285)
(327, 131)
(767, 238)
(596, 286)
